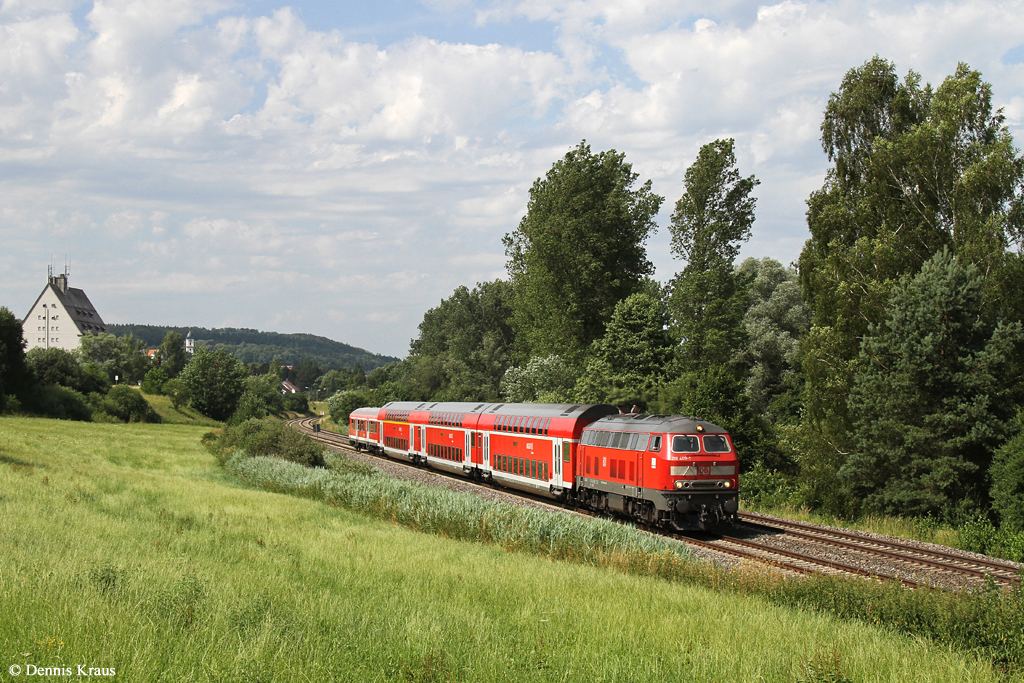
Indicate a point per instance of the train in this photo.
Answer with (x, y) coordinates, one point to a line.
(669, 471)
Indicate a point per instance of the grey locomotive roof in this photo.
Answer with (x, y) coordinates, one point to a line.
(679, 424)
(573, 410)
(78, 307)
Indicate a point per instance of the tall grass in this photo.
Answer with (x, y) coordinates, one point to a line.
(464, 517)
(990, 622)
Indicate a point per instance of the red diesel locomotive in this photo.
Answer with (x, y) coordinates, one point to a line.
(669, 470)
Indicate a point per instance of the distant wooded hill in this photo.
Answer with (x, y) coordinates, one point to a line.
(253, 346)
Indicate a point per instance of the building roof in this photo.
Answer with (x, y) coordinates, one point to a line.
(76, 303)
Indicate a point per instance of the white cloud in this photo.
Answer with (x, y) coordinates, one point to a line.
(245, 159)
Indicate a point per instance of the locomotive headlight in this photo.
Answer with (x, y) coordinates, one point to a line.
(727, 484)
(679, 483)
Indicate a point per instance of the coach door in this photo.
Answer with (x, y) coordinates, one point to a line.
(477, 442)
(559, 450)
(417, 438)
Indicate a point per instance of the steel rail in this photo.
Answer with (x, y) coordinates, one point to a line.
(902, 552)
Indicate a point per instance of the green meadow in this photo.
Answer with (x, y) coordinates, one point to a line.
(130, 547)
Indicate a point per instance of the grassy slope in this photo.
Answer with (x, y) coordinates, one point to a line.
(127, 546)
(178, 416)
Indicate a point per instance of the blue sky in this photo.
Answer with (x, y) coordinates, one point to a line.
(338, 168)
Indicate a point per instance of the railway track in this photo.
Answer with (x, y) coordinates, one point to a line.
(923, 559)
(907, 563)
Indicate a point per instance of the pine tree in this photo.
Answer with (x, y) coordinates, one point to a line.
(931, 399)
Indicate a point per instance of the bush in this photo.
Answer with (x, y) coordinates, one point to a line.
(343, 403)
(128, 405)
(981, 536)
(60, 367)
(269, 437)
(763, 487)
(249, 406)
(60, 403)
(154, 381)
(12, 404)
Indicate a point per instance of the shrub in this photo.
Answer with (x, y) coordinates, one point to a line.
(128, 405)
(249, 406)
(343, 403)
(9, 403)
(154, 381)
(60, 403)
(269, 437)
(60, 367)
(763, 487)
(981, 536)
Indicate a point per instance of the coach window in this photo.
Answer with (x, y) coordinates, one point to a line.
(533, 469)
(656, 443)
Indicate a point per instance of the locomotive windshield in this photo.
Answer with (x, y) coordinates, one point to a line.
(685, 444)
(715, 443)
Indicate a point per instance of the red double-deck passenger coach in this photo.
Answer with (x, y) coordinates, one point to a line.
(668, 470)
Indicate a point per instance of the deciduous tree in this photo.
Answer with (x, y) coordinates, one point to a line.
(172, 355)
(711, 220)
(215, 381)
(578, 251)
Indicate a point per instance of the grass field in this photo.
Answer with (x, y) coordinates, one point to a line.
(127, 546)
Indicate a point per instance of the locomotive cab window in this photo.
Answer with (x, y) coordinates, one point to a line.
(716, 443)
(656, 443)
(685, 444)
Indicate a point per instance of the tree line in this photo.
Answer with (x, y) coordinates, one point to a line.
(96, 380)
(881, 374)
